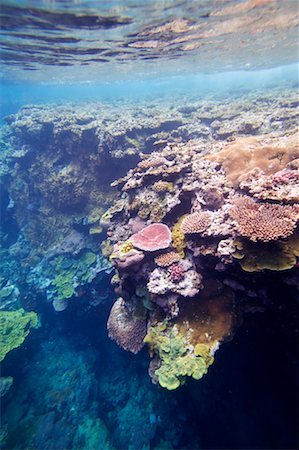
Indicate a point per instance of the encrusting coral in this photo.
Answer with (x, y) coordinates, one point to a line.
(14, 328)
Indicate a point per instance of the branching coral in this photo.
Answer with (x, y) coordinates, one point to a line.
(125, 329)
(263, 221)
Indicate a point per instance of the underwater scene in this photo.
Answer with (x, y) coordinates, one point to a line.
(149, 240)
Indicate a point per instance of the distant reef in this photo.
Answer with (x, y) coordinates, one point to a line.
(180, 212)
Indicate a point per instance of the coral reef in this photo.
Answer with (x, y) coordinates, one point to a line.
(210, 227)
(206, 188)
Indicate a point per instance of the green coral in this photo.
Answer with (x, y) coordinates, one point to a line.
(14, 328)
(277, 256)
(177, 357)
(70, 271)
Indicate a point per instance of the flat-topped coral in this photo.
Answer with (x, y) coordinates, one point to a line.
(156, 236)
(166, 259)
(264, 221)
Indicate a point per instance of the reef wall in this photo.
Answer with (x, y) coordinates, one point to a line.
(205, 202)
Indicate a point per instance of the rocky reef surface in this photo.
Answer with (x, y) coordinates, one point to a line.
(183, 212)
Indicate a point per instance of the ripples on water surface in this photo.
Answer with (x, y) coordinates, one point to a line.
(118, 38)
(99, 84)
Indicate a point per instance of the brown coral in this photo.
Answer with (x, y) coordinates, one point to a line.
(161, 186)
(195, 223)
(155, 160)
(126, 330)
(246, 154)
(166, 259)
(263, 221)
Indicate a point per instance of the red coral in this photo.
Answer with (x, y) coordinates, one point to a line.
(156, 236)
(126, 330)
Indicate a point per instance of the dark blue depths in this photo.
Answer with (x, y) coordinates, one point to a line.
(73, 388)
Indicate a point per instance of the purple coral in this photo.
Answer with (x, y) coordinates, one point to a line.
(126, 330)
(176, 272)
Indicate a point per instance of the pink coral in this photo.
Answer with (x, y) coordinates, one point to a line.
(284, 176)
(126, 330)
(176, 273)
(156, 236)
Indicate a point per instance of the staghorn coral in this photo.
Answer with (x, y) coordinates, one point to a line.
(166, 259)
(263, 221)
(196, 223)
(123, 328)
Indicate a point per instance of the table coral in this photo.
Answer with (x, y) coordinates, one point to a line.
(264, 221)
(166, 259)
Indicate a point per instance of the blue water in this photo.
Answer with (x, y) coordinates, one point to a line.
(141, 73)
(15, 94)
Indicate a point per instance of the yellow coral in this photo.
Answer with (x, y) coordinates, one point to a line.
(178, 237)
(126, 247)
